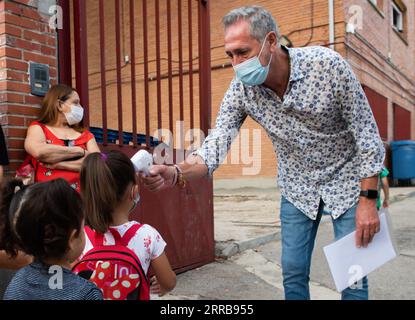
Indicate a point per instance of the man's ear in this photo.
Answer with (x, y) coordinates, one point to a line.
(273, 41)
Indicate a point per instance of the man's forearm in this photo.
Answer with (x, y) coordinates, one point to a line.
(369, 183)
(193, 168)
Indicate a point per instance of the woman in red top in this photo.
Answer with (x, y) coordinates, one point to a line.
(57, 142)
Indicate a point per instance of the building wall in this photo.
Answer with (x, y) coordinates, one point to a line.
(24, 37)
(383, 60)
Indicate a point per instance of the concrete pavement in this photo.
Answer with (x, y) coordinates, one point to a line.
(248, 249)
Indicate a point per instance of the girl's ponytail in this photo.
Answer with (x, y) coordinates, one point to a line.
(104, 180)
(97, 189)
(10, 200)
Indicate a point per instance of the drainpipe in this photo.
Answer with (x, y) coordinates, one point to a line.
(331, 23)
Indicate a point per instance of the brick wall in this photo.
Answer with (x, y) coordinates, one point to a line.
(24, 37)
(383, 60)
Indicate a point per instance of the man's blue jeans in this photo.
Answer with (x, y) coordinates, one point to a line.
(298, 233)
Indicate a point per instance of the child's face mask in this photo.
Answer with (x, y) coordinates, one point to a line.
(136, 199)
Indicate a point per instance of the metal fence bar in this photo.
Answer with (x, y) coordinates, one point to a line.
(146, 86)
(158, 67)
(103, 71)
(81, 55)
(118, 66)
(133, 79)
(204, 65)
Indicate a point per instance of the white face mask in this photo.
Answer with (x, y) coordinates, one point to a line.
(136, 201)
(75, 116)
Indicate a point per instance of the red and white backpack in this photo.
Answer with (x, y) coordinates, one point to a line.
(115, 269)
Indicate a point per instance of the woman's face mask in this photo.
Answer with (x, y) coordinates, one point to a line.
(75, 116)
(251, 72)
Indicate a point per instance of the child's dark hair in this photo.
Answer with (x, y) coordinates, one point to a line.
(104, 180)
(39, 219)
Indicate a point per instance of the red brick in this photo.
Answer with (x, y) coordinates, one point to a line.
(29, 120)
(31, 13)
(26, 45)
(14, 75)
(17, 154)
(15, 144)
(11, 97)
(51, 41)
(14, 86)
(13, 7)
(30, 99)
(29, 3)
(14, 164)
(29, 56)
(16, 121)
(10, 29)
(20, 110)
(33, 36)
(16, 132)
(49, 51)
(13, 64)
(52, 72)
(21, 21)
(10, 52)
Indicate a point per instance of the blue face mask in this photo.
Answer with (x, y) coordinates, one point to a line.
(251, 72)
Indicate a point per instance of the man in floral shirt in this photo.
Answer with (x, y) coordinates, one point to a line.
(316, 114)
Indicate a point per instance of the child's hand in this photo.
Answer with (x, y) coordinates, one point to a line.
(155, 287)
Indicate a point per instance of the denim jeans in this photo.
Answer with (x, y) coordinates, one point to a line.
(298, 233)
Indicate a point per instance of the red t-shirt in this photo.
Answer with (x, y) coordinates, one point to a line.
(45, 174)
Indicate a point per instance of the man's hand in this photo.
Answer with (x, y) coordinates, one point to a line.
(161, 177)
(386, 203)
(367, 222)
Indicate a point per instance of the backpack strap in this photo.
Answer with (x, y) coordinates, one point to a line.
(129, 234)
(97, 239)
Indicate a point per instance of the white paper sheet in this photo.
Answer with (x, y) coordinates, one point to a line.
(349, 264)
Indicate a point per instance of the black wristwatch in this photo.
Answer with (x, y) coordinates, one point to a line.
(370, 194)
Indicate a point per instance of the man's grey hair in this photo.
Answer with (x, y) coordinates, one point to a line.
(261, 21)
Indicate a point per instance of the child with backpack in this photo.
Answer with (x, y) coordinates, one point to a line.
(45, 221)
(119, 252)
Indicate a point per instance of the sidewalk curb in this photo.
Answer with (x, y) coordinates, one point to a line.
(225, 250)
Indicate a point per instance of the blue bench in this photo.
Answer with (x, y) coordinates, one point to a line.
(112, 137)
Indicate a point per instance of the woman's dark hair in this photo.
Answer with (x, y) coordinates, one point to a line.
(104, 180)
(39, 219)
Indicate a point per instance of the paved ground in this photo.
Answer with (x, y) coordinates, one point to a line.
(247, 232)
(255, 273)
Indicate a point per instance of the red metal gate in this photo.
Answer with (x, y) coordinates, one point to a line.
(401, 123)
(129, 60)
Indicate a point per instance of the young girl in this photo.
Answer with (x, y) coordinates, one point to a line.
(110, 193)
(45, 221)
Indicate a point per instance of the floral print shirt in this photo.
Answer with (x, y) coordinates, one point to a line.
(323, 131)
